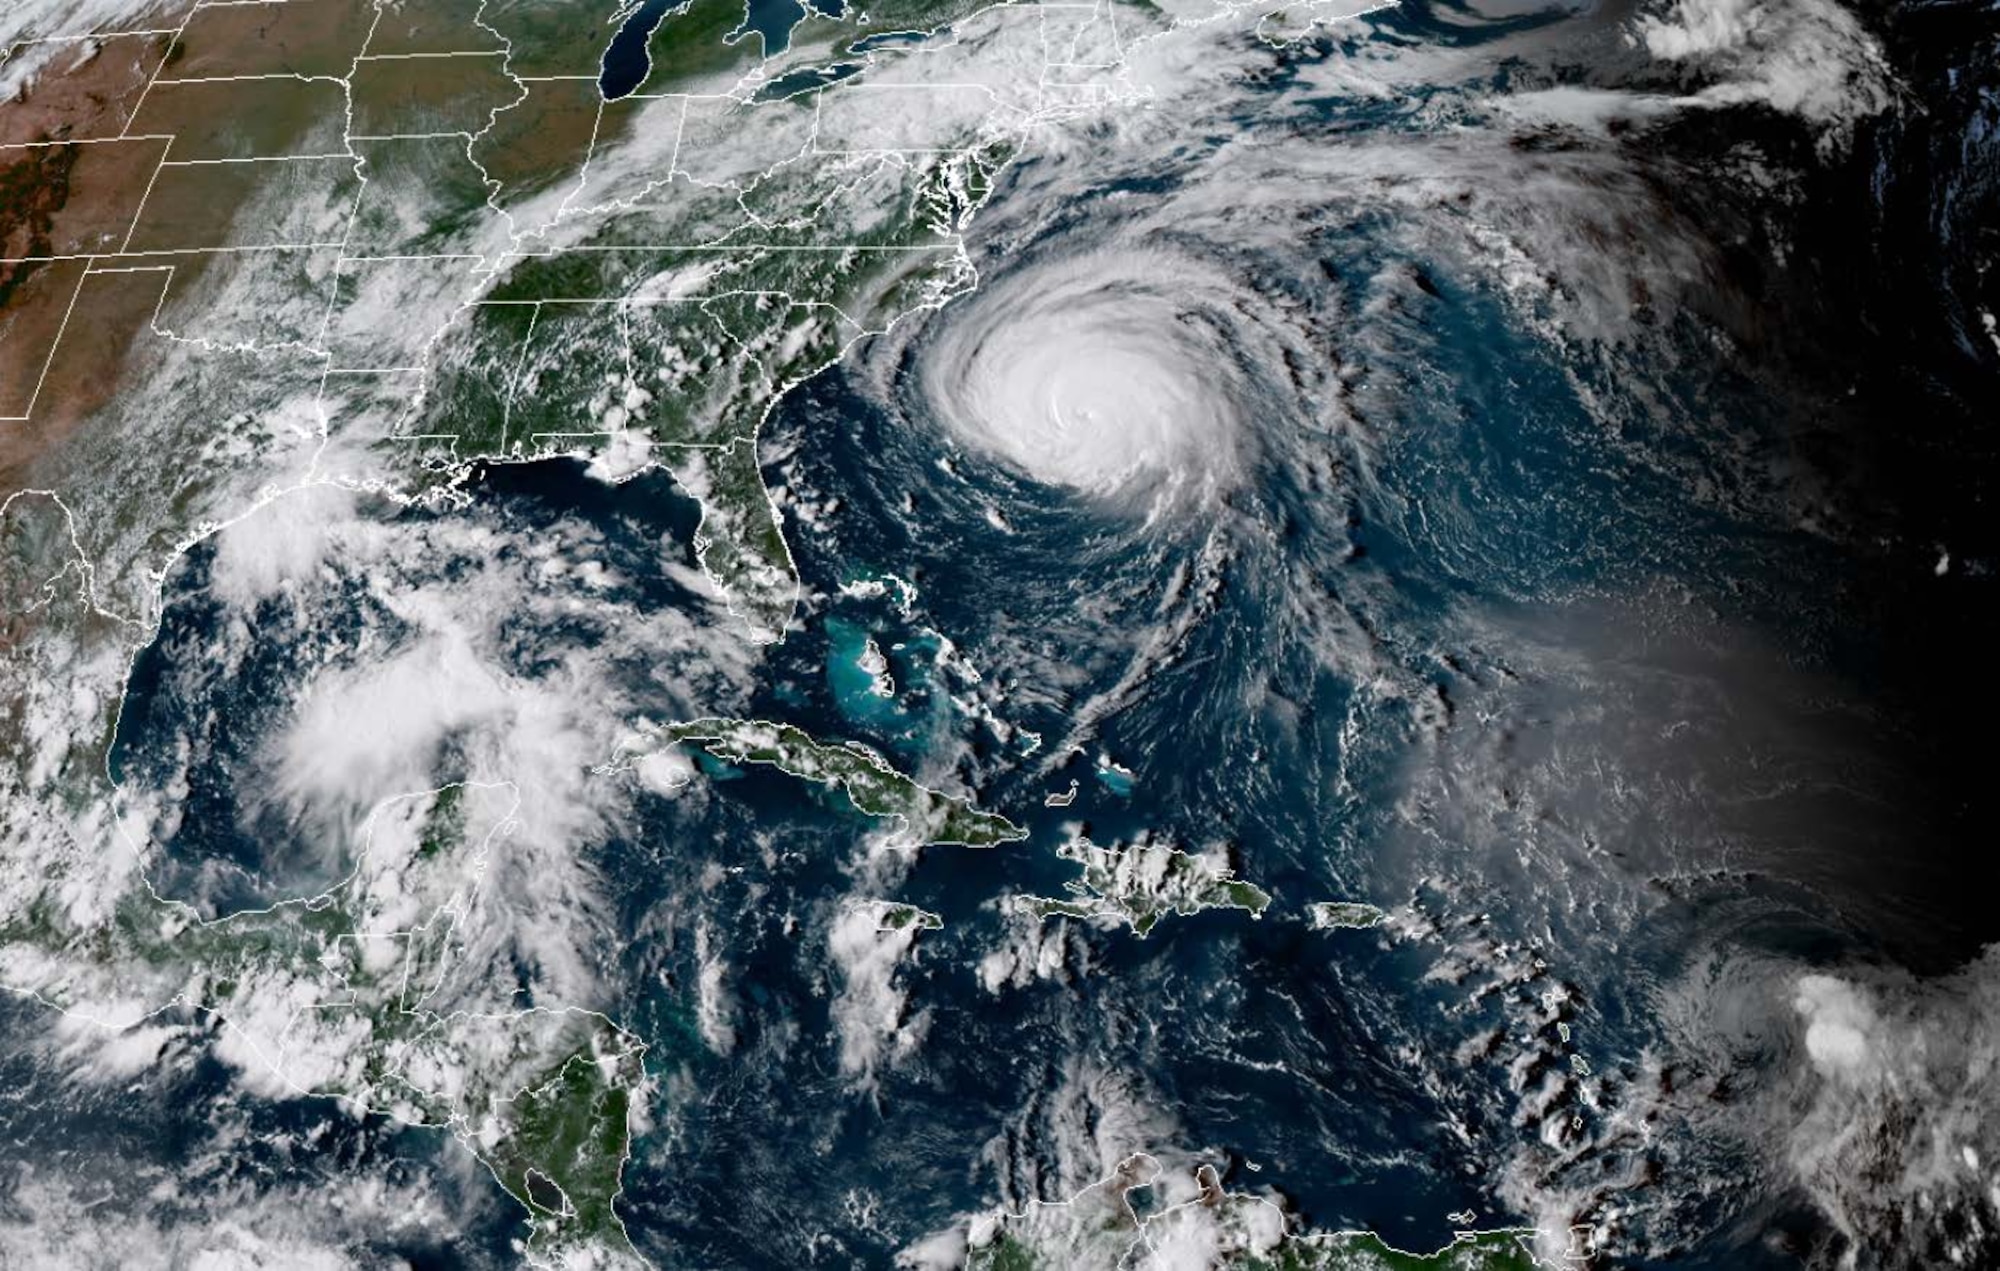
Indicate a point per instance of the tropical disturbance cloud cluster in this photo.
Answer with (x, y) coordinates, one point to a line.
(1094, 634)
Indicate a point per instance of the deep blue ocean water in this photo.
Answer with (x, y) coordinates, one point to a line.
(1310, 1054)
(1313, 1055)
(1503, 535)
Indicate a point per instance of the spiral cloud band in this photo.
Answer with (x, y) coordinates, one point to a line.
(1117, 372)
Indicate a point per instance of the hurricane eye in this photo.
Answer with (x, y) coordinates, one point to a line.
(1082, 372)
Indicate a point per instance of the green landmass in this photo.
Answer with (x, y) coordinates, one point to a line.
(905, 917)
(870, 784)
(1140, 883)
(463, 332)
(1344, 1251)
(1099, 1230)
(1365, 1251)
(568, 1141)
(1344, 913)
(549, 1115)
(565, 353)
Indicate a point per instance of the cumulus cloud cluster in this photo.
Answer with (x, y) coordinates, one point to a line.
(1810, 58)
(1868, 1092)
(871, 1012)
(1899, 1141)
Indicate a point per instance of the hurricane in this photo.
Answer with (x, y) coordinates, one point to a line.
(1342, 365)
(1129, 634)
(1132, 375)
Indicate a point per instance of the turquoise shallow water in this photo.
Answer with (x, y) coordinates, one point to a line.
(1603, 672)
